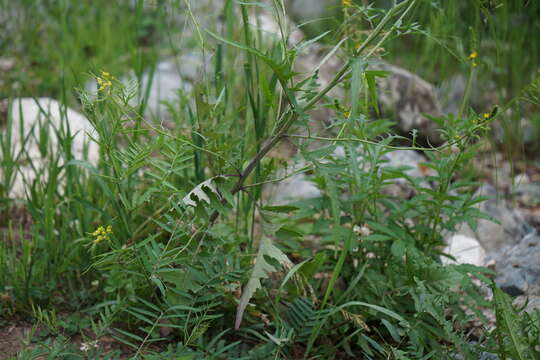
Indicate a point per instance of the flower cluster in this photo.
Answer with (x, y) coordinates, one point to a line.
(346, 3)
(87, 346)
(104, 81)
(102, 233)
(363, 230)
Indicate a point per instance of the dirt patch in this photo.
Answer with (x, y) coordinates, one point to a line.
(12, 340)
(3, 112)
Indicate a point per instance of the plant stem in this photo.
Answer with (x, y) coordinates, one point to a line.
(295, 112)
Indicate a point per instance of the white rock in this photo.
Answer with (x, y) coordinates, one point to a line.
(29, 116)
(169, 79)
(309, 9)
(293, 188)
(465, 249)
(493, 236)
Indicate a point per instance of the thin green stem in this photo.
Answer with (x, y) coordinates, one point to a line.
(467, 92)
(310, 104)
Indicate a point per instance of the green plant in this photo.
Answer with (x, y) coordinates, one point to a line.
(169, 246)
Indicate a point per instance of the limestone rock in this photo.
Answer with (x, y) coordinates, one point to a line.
(493, 236)
(531, 300)
(170, 78)
(30, 116)
(466, 250)
(402, 95)
(409, 97)
(401, 187)
(293, 188)
(518, 267)
(299, 186)
(527, 193)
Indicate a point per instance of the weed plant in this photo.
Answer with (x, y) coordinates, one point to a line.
(169, 246)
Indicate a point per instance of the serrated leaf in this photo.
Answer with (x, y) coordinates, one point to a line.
(198, 194)
(511, 337)
(261, 270)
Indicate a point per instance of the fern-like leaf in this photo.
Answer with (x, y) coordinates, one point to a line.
(261, 270)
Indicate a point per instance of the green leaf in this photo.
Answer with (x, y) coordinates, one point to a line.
(398, 248)
(281, 67)
(198, 193)
(261, 270)
(280, 209)
(371, 77)
(510, 333)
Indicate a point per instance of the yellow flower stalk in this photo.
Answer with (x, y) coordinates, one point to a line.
(104, 81)
(472, 57)
(101, 234)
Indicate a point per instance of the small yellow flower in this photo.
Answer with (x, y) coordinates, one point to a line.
(346, 113)
(472, 57)
(487, 115)
(346, 3)
(101, 234)
(104, 81)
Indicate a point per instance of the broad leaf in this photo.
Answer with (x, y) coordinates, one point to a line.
(261, 270)
(198, 193)
(510, 333)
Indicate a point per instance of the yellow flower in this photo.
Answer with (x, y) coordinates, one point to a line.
(101, 234)
(472, 57)
(346, 113)
(104, 81)
(346, 3)
(487, 115)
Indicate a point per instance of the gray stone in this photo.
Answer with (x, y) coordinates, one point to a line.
(491, 235)
(292, 188)
(171, 78)
(529, 302)
(315, 17)
(518, 267)
(402, 95)
(309, 10)
(409, 97)
(299, 186)
(451, 93)
(527, 194)
(401, 187)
